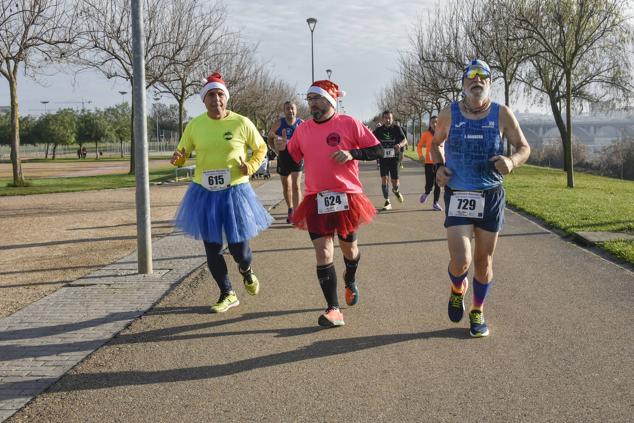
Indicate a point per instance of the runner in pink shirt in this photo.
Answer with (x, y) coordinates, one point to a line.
(331, 145)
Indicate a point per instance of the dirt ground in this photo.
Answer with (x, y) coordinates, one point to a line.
(49, 240)
(65, 169)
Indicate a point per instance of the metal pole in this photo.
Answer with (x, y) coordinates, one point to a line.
(143, 224)
(312, 56)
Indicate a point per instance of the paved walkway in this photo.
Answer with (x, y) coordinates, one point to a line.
(44, 340)
(560, 348)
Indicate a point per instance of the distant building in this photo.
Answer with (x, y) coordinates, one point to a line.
(4, 109)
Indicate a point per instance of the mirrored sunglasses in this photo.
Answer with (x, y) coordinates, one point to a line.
(473, 72)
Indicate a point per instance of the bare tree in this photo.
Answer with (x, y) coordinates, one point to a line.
(582, 52)
(33, 33)
(497, 42)
(206, 42)
(107, 40)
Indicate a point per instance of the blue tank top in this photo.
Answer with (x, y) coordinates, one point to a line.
(469, 146)
(289, 128)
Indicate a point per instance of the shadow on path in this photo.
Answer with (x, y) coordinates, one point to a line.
(316, 350)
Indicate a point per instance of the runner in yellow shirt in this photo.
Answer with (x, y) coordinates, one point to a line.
(220, 205)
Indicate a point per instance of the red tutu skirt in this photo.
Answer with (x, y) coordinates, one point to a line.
(360, 211)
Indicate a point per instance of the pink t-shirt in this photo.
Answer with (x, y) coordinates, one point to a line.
(315, 142)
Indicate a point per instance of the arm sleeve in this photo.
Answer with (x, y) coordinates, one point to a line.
(187, 143)
(370, 147)
(368, 153)
(257, 145)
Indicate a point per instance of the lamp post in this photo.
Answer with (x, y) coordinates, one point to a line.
(311, 25)
(329, 72)
(45, 102)
(123, 93)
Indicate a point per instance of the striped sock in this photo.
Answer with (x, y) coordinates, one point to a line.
(457, 282)
(480, 291)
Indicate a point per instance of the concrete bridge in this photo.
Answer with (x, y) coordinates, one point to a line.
(594, 132)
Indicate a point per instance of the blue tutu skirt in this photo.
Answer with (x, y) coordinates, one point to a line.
(231, 215)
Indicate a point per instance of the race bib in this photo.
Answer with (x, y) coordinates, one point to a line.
(330, 202)
(216, 180)
(389, 153)
(466, 204)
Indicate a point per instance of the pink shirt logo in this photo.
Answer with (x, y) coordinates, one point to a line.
(333, 139)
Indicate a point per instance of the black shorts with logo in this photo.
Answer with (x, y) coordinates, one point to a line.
(286, 165)
(389, 167)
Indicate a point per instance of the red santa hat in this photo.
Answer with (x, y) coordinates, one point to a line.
(327, 89)
(214, 81)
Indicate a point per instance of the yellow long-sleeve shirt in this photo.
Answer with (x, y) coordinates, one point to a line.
(220, 143)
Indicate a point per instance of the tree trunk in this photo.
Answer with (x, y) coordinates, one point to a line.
(121, 142)
(18, 178)
(181, 117)
(46, 153)
(54, 150)
(569, 158)
(559, 121)
(97, 150)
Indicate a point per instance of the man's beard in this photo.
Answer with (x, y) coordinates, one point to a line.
(483, 95)
(317, 114)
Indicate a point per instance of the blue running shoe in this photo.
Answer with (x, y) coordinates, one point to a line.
(455, 308)
(479, 328)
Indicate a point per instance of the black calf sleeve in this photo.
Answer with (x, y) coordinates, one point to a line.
(327, 277)
(351, 269)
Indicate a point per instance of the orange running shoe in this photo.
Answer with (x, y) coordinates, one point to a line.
(332, 318)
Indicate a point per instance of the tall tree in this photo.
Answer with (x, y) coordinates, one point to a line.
(497, 42)
(205, 41)
(583, 51)
(32, 32)
(107, 40)
(118, 118)
(56, 128)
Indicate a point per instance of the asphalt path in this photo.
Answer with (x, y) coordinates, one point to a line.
(560, 347)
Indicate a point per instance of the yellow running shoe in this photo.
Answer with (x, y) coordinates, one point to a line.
(398, 195)
(225, 302)
(251, 282)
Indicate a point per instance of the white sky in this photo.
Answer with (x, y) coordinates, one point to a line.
(359, 40)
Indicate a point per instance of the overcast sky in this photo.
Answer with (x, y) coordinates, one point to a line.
(359, 40)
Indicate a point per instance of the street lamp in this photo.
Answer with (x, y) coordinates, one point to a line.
(311, 25)
(123, 93)
(328, 72)
(45, 102)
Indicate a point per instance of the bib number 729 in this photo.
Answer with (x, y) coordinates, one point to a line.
(466, 204)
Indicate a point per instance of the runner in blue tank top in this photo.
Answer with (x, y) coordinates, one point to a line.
(289, 171)
(472, 169)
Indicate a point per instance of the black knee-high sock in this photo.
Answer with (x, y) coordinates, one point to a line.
(351, 269)
(328, 281)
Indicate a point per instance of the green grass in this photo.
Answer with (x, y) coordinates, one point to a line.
(595, 204)
(82, 183)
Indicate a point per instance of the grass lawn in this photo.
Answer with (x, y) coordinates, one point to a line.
(82, 183)
(595, 204)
